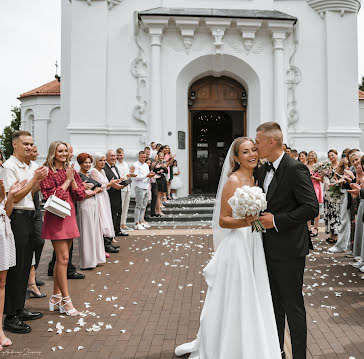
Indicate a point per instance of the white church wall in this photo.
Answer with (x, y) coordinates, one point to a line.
(361, 120)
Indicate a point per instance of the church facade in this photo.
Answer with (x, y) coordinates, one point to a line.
(195, 74)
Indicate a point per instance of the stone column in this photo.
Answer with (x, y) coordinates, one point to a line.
(155, 27)
(279, 31)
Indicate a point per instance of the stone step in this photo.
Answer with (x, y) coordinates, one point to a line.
(175, 218)
(180, 210)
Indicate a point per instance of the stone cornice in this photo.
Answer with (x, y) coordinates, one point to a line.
(342, 6)
(110, 3)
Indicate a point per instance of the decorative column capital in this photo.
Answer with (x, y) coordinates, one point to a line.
(279, 31)
(248, 29)
(218, 27)
(187, 27)
(155, 26)
(341, 6)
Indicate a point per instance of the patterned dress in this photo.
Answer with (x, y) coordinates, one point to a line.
(7, 242)
(331, 209)
(54, 227)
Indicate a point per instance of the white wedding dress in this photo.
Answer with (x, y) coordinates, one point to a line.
(237, 320)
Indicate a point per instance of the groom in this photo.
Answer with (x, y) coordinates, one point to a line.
(291, 203)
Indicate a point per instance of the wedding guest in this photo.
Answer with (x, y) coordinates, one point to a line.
(294, 154)
(168, 156)
(38, 242)
(284, 147)
(124, 172)
(288, 151)
(111, 173)
(92, 251)
(71, 269)
(141, 183)
(359, 225)
(153, 191)
(103, 202)
(160, 169)
(7, 247)
(176, 182)
(332, 200)
(153, 150)
(316, 181)
(15, 169)
(147, 152)
(65, 183)
(302, 157)
(343, 237)
(158, 148)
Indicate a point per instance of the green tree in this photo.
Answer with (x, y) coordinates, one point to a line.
(361, 86)
(5, 138)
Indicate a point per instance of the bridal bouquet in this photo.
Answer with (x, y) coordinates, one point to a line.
(321, 168)
(249, 201)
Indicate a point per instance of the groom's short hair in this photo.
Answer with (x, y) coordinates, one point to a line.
(272, 129)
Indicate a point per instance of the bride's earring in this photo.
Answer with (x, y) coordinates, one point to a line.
(238, 163)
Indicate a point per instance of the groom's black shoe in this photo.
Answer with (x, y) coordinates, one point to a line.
(283, 355)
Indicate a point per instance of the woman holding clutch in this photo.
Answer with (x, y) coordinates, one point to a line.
(65, 183)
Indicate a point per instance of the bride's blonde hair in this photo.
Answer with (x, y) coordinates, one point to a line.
(234, 166)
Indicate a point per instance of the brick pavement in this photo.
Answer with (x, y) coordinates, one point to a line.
(147, 299)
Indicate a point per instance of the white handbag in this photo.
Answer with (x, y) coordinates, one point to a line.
(57, 206)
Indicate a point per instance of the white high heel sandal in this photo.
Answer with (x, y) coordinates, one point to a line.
(72, 312)
(54, 306)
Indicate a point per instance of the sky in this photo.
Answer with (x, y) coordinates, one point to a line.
(30, 45)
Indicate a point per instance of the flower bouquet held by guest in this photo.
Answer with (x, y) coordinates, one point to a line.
(92, 251)
(65, 183)
(317, 174)
(103, 201)
(176, 182)
(7, 247)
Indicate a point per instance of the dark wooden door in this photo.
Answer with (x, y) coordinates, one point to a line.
(217, 117)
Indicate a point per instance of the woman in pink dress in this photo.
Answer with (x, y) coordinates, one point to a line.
(66, 184)
(316, 181)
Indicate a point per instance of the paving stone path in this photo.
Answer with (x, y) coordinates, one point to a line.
(147, 299)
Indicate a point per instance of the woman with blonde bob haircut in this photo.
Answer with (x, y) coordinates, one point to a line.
(65, 183)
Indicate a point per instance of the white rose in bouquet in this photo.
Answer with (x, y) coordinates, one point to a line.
(248, 201)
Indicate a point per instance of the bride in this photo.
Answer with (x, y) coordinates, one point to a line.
(237, 320)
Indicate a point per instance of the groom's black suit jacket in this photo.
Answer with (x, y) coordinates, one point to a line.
(292, 200)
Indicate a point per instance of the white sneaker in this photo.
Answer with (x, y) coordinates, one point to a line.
(357, 258)
(335, 250)
(362, 277)
(349, 255)
(138, 227)
(358, 265)
(127, 229)
(145, 225)
(362, 268)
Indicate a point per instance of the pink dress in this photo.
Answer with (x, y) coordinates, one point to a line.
(54, 227)
(318, 189)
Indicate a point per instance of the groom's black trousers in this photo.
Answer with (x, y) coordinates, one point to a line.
(286, 280)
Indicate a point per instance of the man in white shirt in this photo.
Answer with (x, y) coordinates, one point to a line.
(124, 172)
(22, 222)
(141, 182)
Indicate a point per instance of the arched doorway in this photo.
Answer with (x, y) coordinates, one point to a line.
(217, 108)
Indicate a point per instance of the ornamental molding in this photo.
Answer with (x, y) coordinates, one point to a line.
(279, 31)
(187, 27)
(217, 28)
(341, 6)
(248, 30)
(110, 3)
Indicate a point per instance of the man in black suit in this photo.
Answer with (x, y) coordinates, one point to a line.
(291, 203)
(112, 172)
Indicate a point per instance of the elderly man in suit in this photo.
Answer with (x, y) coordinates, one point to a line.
(112, 172)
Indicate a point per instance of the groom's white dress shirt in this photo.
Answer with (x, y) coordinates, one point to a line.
(269, 177)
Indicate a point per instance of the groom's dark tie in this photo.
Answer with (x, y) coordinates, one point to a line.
(270, 167)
